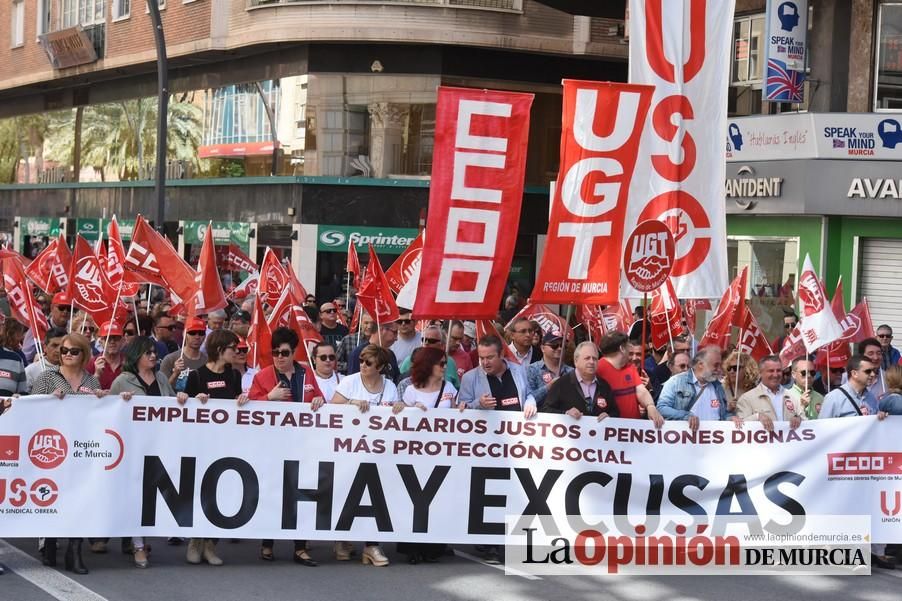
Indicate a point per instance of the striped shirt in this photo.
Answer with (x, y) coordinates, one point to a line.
(52, 380)
(12, 373)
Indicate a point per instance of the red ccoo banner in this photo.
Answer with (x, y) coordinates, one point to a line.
(602, 124)
(478, 167)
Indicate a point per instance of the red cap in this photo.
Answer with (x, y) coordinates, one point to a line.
(110, 328)
(61, 298)
(195, 325)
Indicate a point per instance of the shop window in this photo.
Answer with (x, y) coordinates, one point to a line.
(888, 94)
(773, 270)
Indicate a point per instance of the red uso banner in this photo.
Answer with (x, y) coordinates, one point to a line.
(478, 167)
(602, 124)
(682, 48)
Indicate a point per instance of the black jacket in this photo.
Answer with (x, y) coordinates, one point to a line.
(566, 393)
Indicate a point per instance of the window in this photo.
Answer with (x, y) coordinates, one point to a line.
(888, 93)
(17, 27)
(82, 12)
(43, 17)
(121, 9)
(748, 50)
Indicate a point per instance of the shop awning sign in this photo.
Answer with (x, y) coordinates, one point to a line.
(386, 240)
(224, 232)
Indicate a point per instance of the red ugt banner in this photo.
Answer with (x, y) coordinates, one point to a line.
(478, 167)
(602, 124)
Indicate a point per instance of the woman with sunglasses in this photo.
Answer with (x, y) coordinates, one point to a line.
(327, 377)
(743, 368)
(363, 389)
(140, 376)
(289, 381)
(70, 377)
(217, 380)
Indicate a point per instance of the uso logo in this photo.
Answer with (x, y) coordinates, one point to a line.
(47, 449)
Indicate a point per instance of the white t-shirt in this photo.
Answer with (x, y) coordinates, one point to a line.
(413, 396)
(707, 406)
(404, 348)
(351, 388)
(327, 385)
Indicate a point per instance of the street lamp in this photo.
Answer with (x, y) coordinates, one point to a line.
(162, 111)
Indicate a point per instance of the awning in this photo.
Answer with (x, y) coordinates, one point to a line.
(236, 150)
(609, 9)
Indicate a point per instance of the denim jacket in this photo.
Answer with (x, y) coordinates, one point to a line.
(679, 393)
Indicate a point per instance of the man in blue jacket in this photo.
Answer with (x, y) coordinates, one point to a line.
(696, 394)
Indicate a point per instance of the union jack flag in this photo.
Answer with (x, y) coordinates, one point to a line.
(783, 85)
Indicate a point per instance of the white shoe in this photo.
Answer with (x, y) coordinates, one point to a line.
(374, 555)
(210, 555)
(194, 550)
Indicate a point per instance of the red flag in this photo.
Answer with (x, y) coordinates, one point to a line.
(210, 295)
(547, 319)
(374, 293)
(857, 326)
(246, 287)
(115, 261)
(48, 271)
(405, 265)
(818, 324)
(353, 266)
(355, 319)
(151, 258)
(691, 308)
(486, 327)
(21, 301)
(306, 331)
(273, 278)
(89, 287)
(592, 319)
(730, 313)
(753, 342)
(793, 347)
(297, 289)
(259, 338)
(236, 260)
(602, 126)
(478, 165)
(618, 317)
(840, 347)
(666, 315)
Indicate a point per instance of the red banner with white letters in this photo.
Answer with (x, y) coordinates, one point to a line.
(478, 166)
(602, 125)
(405, 266)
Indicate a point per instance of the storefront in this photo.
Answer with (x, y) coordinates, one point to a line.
(823, 184)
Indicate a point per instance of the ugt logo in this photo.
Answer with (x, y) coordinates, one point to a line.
(47, 449)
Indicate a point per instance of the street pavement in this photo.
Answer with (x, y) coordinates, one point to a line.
(458, 578)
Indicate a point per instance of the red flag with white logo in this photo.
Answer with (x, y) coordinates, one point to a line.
(839, 348)
(857, 326)
(259, 338)
(210, 295)
(547, 319)
(115, 261)
(236, 260)
(273, 278)
(730, 313)
(818, 324)
(793, 347)
(353, 266)
(691, 307)
(21, 301)
(47, 271)
(592, 319)
(89, 287)
(753, 342)
(405, 266)
(374, 293)
(478, 166)
(152, 259)
(666, 315)
(486, 327)
(602, 125)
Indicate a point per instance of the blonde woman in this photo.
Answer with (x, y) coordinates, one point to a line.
(743, 368)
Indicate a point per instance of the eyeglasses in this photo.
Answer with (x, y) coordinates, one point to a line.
(65, 350)
(404, 322)
(196, 333)
(529, 331)
(871, 371)
(169, 327)
(733, 368)
(326, 357)
(150, 353)
(332, 310)
(431, 340)
(805, 372)
(282, 352)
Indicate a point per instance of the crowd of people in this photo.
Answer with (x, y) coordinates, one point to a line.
(425, 367)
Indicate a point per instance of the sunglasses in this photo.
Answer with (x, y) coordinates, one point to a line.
(326, 357)
(837, 370)
(732, 368)
(887, 336)
(328, 310)
(65, 350)
(91, 329)
(871, 371)
(431, 340)
(170, 328)
(554, 345)
(789, 326)
(282, 352)
(442, 364)
(241, 349)
(405, 322)
(65, 308)
(129, 333)
(369, 363)
(806, 372)
(196, 333)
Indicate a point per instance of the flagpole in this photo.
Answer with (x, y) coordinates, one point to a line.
(564, 333)
(71, 311)
(447, 338)
(347, 293)
(137, 325)
(37, 339)
(378, 326)
(738, 367)
(113, 317)
(645, 316)
(149, 291)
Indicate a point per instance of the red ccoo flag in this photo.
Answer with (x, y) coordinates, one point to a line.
(406, 265)
(374, 293)
(210, 295)
(730, 313)
(753, 341)
(147, 253)
(259, 338)
(21, 301)
(48, 271)
(115, 261)
(236, 260)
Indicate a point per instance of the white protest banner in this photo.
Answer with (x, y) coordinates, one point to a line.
(105, 467)
(682, 48)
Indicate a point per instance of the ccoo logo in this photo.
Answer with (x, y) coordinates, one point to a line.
(333, 238)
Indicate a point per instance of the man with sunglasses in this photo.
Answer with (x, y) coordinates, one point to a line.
(163, 327)
(408, 338)
(873, 350)
(806, 401)
(891, 355)
(177, 364)
(790, 321)
(108, 365)
(542, 374)
(324, 369)
(330, 328)
(832, 376)
(853, 397)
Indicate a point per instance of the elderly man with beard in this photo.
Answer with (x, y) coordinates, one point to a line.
(696, 394)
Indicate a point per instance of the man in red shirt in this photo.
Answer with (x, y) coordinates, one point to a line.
(108, 366)
(630, 394)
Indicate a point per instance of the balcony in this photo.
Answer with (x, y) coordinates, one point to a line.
(97, 35)
(495, 5)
